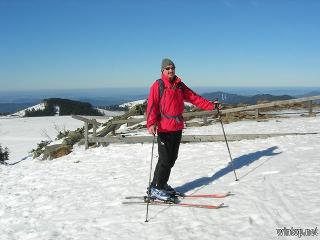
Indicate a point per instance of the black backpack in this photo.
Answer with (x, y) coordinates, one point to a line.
(161, 87)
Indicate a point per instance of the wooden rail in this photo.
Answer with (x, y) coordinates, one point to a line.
(233, 110)
(191, 138)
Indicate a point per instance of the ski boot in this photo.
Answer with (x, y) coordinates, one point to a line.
(172, 192)
(160, 194)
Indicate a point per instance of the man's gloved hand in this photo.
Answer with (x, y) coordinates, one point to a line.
(153, 130)
(217, 104)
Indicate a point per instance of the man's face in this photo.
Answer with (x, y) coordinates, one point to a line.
(169, 71)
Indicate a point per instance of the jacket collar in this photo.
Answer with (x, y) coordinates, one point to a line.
(167, 82)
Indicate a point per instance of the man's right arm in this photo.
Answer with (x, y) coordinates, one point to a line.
(153, 111)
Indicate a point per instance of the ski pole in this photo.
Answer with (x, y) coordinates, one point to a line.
(225, 138)
(149, 187)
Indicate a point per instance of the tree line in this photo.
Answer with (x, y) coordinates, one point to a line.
(54, 106)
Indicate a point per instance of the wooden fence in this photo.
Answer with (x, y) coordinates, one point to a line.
(190, 138)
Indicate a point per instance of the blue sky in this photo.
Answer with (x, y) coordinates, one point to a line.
(67, 44)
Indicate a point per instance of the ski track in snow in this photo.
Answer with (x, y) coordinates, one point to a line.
(79, 196)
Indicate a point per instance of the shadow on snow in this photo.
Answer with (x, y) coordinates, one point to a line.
(238, 163)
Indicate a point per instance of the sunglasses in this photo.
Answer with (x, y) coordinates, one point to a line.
(168, 68)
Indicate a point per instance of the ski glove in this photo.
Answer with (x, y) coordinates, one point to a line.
(217, 104)
(153, 130)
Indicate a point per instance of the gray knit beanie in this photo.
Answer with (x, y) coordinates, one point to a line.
(165, 63)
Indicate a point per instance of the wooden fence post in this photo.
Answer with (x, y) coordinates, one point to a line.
(94, 126)
(310, 108)
(86, 135)
(205, 120)
(228, 116)
(256, 113)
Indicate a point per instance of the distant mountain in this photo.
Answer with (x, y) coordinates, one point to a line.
(11, 102)
(236, 99)
(267, 97)
(309, 94)
(59, 106)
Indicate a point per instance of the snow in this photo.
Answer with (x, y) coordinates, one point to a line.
(21, 135)
(110, 113)
(79, 196)
(132, 104)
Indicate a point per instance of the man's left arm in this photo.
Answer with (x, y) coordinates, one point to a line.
(195, 99)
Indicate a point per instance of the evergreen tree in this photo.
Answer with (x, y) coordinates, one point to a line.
(66, 107)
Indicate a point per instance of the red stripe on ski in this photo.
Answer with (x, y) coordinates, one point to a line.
(216, 195)
(199, 205)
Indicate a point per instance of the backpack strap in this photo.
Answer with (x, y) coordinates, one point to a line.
(161, 87)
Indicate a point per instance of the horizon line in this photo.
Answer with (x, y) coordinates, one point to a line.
(141, 87)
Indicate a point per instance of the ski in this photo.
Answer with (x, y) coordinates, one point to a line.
(177, 204)
(215, 195)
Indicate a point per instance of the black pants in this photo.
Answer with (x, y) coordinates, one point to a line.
(168, 148)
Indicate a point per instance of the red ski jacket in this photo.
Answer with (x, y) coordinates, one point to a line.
(166, 111)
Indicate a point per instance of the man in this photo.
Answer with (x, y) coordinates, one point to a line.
(164, 117)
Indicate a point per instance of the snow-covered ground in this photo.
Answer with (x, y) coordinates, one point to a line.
(80, 196)
(133, 103)
(21, 135)
(110, 113)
